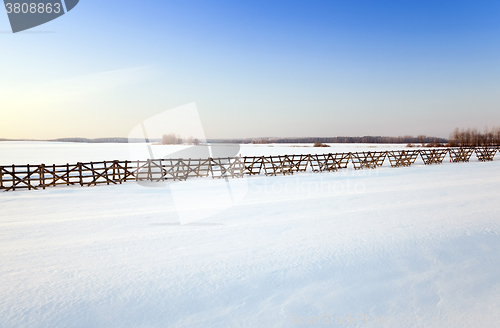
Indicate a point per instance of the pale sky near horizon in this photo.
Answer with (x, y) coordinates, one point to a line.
(255, 68)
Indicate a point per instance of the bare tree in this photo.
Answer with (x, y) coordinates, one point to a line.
(170, 139)
(193, 141)
(421, 139)
(473, 138)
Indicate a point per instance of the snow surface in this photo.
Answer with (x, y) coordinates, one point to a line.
(419, 244)
(18, 152)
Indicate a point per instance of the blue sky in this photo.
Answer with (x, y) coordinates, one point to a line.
(255, 68)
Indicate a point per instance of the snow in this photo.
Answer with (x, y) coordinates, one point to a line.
(18, 152)
(419, 244)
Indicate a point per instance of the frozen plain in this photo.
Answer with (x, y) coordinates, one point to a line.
(418, 246)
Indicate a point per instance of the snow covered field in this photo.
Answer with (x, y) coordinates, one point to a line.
(17, 152)
(405, 247)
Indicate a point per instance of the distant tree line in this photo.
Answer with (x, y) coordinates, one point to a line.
(458, 138)
(97, 140)
(365, 139)
(473, 138)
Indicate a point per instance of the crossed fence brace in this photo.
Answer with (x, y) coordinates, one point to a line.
(460, 154)
(369, 159)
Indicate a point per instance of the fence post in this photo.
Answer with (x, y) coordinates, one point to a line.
(28, 176)
(150, 176)
(80, 174)
(137, 172)
(41, 174)
(94, 178)
(105, 174)
(67, 174)
(13, 177)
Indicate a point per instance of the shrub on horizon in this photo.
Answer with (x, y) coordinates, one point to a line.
(319, 144)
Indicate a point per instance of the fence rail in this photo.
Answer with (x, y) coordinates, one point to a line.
(16, 177)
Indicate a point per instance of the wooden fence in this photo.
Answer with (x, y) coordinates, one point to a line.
(16, 177)
(433, 156)
(369, 159)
